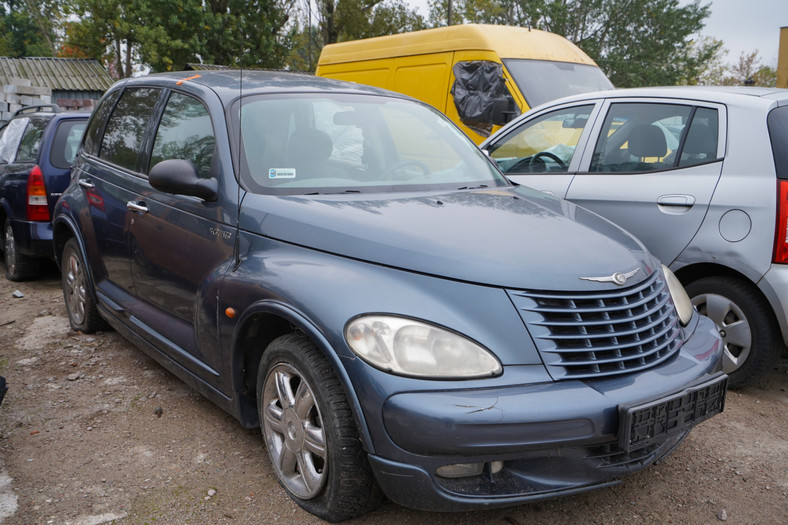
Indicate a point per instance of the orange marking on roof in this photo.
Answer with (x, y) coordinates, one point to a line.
(178, 83)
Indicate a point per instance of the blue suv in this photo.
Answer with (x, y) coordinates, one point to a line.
(341, 267)
(37, 147)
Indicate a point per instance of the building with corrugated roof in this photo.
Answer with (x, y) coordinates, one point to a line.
(67, 82)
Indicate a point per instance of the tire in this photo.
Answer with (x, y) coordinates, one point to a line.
(18, 267)
(750, 334)
(79, 298)
(310, 433)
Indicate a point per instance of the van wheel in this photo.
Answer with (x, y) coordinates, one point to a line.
(750, 335)
(80, 302)
(310, 433)
(18, 267)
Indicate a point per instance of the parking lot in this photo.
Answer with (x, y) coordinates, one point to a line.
(95, 432)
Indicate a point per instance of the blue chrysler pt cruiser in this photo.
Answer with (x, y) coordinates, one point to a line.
(342, 268)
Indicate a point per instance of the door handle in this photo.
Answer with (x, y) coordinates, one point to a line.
(84, 183)
(685, 201)
(137, 206)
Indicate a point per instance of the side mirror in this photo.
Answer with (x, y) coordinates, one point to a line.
(502, 110)
(180, 177)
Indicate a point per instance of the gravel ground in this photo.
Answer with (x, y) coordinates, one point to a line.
(93, 431)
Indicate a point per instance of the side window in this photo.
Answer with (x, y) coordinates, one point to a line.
(545, 144)
(31, 142)
(700, 144)
(185, 132)
(638, 137)
(123, 137)
(96, 124)
(9, 140)
(64, 147)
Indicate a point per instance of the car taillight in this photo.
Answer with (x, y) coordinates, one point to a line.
(37, 208)
(780, 254)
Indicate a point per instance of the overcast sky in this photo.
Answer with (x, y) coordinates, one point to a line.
(742, 25)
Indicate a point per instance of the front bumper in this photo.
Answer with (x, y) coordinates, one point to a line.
(534, 440)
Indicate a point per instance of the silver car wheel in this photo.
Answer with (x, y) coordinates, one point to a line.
(294, 431)
(733, 325)
(9, 248)
(74, 288)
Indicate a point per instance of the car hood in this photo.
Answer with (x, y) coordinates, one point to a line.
(511, 237)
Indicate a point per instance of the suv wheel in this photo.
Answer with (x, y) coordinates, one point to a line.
(18, 267)
(310, 432)
(749, 332)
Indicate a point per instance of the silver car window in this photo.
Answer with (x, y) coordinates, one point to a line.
(545, 144)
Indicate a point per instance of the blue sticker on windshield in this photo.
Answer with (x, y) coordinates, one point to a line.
(282, 173)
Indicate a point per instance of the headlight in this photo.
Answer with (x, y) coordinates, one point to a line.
(679, 295)
(412, 348)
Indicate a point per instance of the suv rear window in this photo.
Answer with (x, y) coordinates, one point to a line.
(778, 132)
(64, 147)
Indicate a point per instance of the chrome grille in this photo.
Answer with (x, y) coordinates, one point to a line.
(606, 333)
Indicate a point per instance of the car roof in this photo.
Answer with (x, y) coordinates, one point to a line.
(719, 94)
(229, 84)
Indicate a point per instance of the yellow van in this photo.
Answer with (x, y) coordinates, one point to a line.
(480, 76)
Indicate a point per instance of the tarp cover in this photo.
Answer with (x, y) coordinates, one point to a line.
(477, 84)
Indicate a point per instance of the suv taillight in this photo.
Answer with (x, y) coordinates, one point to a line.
(780, 254)
(37, 207)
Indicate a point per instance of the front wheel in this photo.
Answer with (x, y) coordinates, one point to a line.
(750, 335)
(310, 432)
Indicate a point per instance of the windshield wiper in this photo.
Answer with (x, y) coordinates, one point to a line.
(480, 186)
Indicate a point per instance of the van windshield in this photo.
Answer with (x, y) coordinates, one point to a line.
(336, 143)
(541, 81)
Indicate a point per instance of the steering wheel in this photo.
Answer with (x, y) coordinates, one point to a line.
(542, 163)
(390, 173)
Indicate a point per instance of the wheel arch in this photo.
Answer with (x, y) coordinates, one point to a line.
(262, 323)
(693, 272)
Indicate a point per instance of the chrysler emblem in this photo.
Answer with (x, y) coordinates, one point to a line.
(618, 278)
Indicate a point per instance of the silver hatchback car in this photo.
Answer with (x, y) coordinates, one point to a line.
(699, 174)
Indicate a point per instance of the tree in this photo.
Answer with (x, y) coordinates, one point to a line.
(165, 35)
(28, 28)
(330, 21)
(636, 42)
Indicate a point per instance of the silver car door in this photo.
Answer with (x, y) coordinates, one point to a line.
(652, 168)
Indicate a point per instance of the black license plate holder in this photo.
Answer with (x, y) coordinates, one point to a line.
(653, 422)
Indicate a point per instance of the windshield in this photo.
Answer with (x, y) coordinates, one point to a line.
(541, 81)
(323, 143)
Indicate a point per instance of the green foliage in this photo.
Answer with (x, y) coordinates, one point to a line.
(27, 27)
(343, 20)
(636, 42)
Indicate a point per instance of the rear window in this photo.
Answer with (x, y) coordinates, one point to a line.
(778, 132)
(67, 137)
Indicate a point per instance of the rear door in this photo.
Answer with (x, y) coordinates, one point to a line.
(108, 180)
(652, 167)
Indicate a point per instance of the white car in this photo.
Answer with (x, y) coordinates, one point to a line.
(699, 174)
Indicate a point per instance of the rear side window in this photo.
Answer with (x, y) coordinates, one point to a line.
(96, 127)
(125, 132)
(31, 142)
(9, 140)
(185, 132)
(64, 147)
(778, 132)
